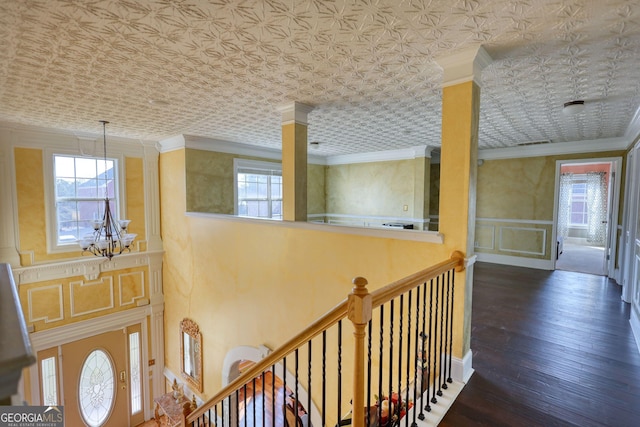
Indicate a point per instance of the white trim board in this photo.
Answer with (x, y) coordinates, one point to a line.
(540, 264)
(635, 327)
(390, 233)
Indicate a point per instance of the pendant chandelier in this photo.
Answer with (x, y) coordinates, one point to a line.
(109, 237)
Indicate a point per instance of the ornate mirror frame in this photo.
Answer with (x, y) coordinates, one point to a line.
(190, 334)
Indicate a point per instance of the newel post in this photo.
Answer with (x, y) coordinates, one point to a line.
(359, 314)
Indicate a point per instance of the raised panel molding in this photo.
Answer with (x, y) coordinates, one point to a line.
(485, 239)
(84, 300)
(133, 284)
(43, 302)
(507, 245)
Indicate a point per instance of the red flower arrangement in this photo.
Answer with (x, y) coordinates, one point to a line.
(391, 409)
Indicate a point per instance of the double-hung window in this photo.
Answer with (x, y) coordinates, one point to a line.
(258, 188)
(579, 208)
(80, 187)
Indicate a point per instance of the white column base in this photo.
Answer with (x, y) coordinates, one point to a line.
(461, 369)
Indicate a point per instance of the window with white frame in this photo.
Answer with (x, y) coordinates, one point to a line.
(579, 208)
(258, 188)
(80, 187)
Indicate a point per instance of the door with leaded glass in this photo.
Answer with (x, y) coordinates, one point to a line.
(94, 381)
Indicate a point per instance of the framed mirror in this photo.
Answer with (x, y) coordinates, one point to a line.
(191, 353)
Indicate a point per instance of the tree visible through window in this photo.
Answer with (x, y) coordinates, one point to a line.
(259, 189)
(81, 185)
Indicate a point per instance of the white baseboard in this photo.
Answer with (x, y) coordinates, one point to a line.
(461, 369)
(540, 264)
(635, 327)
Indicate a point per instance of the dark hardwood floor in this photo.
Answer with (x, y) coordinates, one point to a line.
(550, 348)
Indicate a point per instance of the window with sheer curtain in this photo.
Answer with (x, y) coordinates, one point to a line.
(583, 204)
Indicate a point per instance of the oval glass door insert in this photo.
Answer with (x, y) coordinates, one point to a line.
(96, 392)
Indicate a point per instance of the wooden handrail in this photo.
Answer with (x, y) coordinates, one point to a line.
(399, 287)
(339, 312)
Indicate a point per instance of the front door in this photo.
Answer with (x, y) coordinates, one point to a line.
(94, 384)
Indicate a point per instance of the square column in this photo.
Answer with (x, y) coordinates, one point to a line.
(294, 161)
(458, 175)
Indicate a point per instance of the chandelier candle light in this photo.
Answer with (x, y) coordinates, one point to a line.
(110, 237)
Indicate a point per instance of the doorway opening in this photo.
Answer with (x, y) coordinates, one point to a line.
(585, 205)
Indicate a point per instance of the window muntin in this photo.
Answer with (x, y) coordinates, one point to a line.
(579, 209)
(258, 188)
(81, 185)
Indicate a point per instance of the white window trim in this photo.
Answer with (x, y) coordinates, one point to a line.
(253, 164)
(50, 195)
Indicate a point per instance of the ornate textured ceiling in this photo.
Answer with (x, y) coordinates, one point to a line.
(220, 68)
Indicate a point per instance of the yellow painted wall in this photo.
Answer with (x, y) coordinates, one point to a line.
(134, 181)
(30, 185)
(31, 207)
(254, 282)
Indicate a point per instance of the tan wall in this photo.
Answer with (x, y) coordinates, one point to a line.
(248, 282)
(209, 181)
(376, 188)
(519, 189)
(316, 193)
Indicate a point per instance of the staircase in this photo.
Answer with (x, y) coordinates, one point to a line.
(376, 359)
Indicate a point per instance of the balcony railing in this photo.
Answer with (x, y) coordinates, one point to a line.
(390, 371)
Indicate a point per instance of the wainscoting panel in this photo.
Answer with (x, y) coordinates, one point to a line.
(131, 287)
(91, 297)
(46, 303)
(485, 236)
(506, 237)
(523, 240)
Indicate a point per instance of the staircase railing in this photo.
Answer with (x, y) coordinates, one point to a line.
(409, 321)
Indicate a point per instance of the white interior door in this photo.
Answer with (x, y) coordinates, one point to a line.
(634, 222)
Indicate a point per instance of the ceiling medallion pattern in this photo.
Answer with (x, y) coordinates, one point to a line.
(221, 68)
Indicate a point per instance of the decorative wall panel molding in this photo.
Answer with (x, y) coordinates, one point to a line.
(88, 267)
(46, 303)
(485, 237)
(522, 240)
(130, 288)
(91, 297)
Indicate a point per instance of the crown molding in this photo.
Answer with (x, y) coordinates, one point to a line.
(89, 267)
(633, 130)
(558, 148)
(82, 142)
(295, 112)
(464, 66)
(380, 156)
(221, 146)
